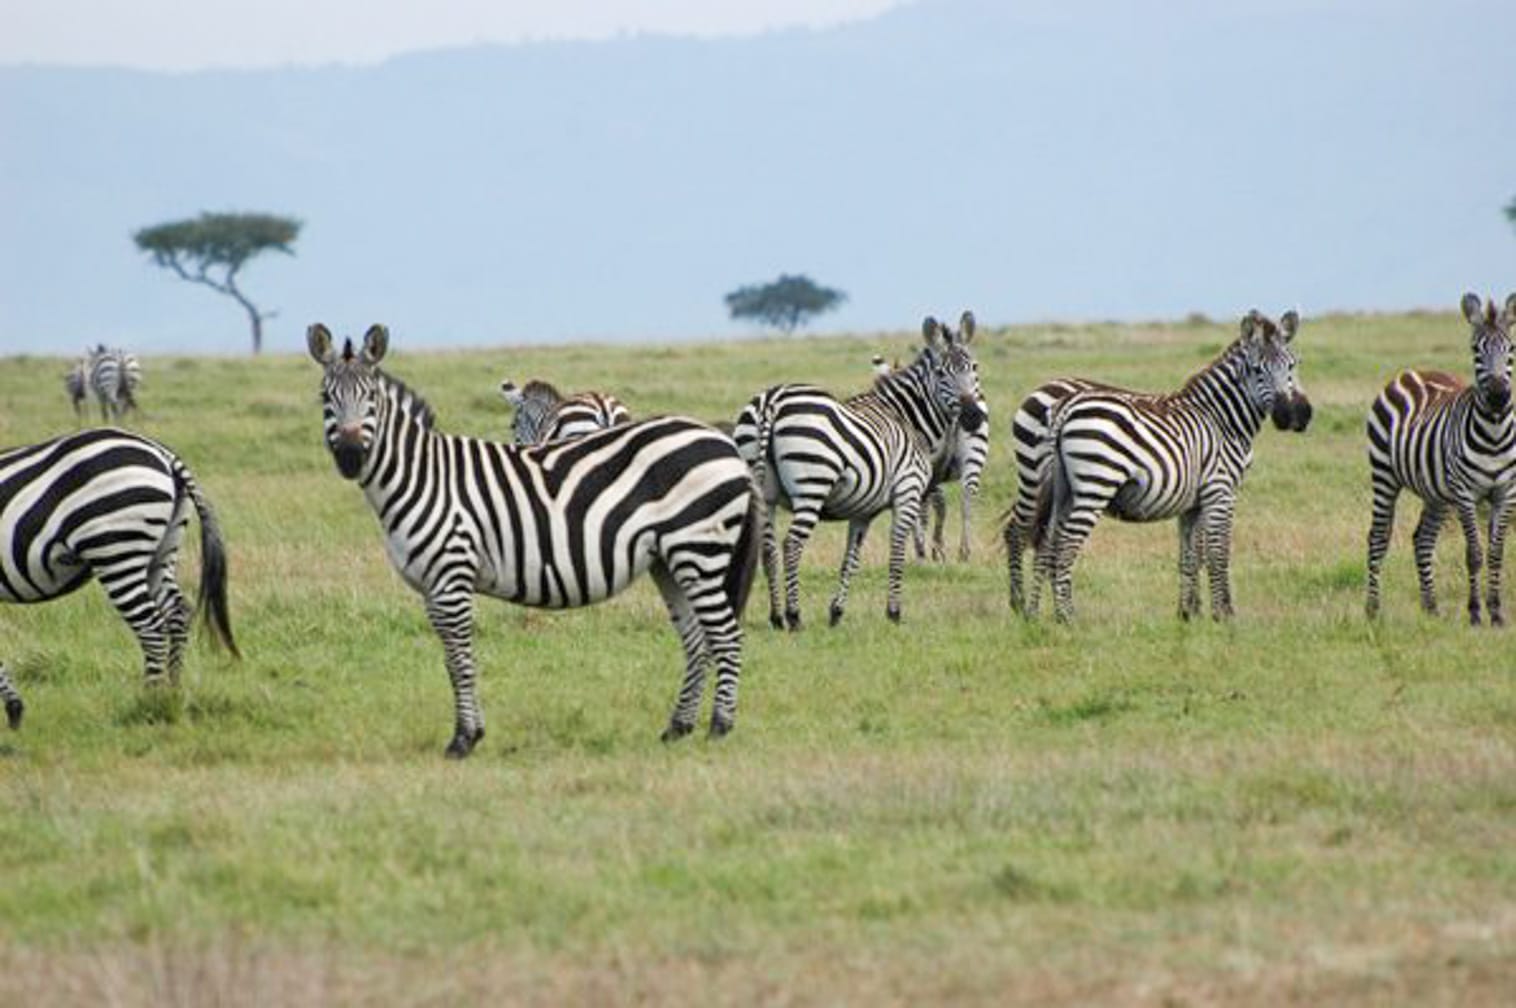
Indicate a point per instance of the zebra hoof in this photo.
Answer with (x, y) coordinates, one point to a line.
(893, 613)
(776, 620)
(792, 619)
(676, 731)
(720, 726)
(14, 708)
(1496, 620)
(463, 743)
(834, 615)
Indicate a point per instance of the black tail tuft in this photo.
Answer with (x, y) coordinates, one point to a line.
(213, 573)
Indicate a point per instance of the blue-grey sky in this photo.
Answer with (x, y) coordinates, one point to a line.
(200, 34)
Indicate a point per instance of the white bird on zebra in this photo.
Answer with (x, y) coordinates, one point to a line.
(110, 505)
(557, 525)
(545, 414)
(831, 460)
(1182, 455)
(1453, 445)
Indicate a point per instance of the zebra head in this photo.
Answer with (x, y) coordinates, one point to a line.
(1270, 365)
(349, 394)
(955, 372)
(1490, 341)
(534, 403)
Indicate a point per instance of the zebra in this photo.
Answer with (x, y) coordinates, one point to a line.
(1454, 446)
(828, 460)
(112, 505)
(964, 465)
(557, 525)
(543, 414)
(1181, 455)
(112, 374)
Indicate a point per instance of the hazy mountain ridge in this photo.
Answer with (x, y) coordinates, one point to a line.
(946, 154)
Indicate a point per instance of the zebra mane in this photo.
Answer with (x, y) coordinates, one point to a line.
(1232, 351)
(408, 398)
(536, 388)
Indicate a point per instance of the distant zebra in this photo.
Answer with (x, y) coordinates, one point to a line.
(964, 465)
(112, 374)
(557, 525)
(1454, 446)
(827, 460)
(543, 414)
(110, 505)
(1182, 455)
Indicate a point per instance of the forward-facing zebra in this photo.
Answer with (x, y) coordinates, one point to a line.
(1454, 446)
(112, 374)
(544, 414)
(829, 460)
(964, 465)
(556, 525)
(110, 505)
(1182, 455)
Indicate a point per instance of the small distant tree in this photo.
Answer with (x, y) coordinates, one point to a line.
(212, 249)
(786, 303)
(1510, 211)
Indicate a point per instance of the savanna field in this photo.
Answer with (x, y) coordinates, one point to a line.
(1297, 807)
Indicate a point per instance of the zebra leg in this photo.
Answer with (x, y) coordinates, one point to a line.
(692, 640)
(771, 564)
(937, 498)
(450, 609)
(1473, 556)
(905, 513)
(125, 584)
(1217, 546)
(802, 523)
(1190, 548)
(857, 528)
(1014, 535)
(1424, 541)
(965, 547)
(177, 613)
(1381, 527)
(1068, 540)
(14, 708)
(1500, 513)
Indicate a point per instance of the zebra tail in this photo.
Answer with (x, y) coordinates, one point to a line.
(744, 566)
(212, 598)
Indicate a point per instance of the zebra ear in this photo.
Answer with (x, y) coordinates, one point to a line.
(375, 342)
(1473, 308)
(1289, 322)
(966, 327)
(931, 330)
(1510, 309)
(1250, 326)
(318, 338)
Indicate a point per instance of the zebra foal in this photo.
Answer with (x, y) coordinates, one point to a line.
(111, 505)
(1454, 446)
(830, 460)
(1182, 455)
(112, 374)
(544, 414)
(557, 525)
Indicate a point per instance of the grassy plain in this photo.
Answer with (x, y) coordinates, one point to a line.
(1296, 807)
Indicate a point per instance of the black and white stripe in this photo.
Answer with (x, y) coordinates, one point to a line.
(828, 460)
(964, 465)
(1183, 455)
(557, 525)
(543, 414)
(1454, 446)
(112, 375)
(110, 505)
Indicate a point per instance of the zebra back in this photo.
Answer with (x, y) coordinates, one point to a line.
(543, 414)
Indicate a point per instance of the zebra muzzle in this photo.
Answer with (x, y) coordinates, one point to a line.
(970, 416)
(1292, 414)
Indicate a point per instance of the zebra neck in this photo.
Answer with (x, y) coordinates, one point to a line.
(908, 395)
(1494, 429)
(405, 445)
(1220, 392)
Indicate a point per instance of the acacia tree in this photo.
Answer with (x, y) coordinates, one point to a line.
(212, 249)
(786, 303)
(1510, 211)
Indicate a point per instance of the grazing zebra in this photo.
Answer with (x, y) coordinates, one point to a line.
(1454, 446)
(1182, 455)
(964, 465)
(556, 525)
(542, 414)
(112, 374)
(108, 504)
(827, 460)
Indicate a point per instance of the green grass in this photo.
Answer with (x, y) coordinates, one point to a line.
(1297, 806)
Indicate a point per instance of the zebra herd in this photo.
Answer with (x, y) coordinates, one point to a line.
(586, 499)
